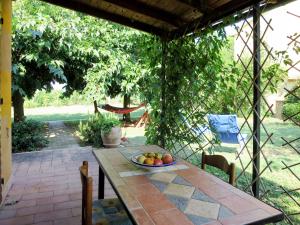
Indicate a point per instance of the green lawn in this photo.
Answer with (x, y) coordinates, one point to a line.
(67, 113)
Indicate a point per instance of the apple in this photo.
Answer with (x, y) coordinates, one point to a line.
(141, 159)
(149, 161)
(167, 158)
(158, 156)
(158, 162)
(151, 154)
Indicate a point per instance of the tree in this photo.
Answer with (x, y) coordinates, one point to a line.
(120, 70)
(45, 50)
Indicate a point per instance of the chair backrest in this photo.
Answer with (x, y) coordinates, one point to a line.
(225, 127)
(87, 194)
(221, 163)
(198, 130)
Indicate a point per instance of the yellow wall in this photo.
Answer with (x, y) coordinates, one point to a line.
(5, 74)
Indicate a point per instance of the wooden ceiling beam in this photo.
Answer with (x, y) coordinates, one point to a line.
(213, 16)
(99, 13)
(147, 10)
(200, 5)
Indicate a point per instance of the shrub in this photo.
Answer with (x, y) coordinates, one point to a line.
(291, 106)
(90, 130)
(109, 121)
(292, 109)
(28, 136)
(294, 98)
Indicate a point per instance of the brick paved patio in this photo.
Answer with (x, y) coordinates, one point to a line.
(46, 187)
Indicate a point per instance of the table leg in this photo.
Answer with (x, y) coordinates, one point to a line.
(101, 184)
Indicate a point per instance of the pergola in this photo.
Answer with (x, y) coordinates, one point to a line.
(168, 19)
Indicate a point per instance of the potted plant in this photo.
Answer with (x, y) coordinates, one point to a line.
(111, 131)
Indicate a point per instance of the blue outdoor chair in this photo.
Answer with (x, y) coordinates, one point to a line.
(224, 127)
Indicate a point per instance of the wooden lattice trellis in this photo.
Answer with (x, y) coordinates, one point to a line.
(256, 166)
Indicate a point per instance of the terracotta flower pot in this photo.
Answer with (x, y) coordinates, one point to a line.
(112, 139)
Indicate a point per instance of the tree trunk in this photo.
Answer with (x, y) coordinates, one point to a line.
(18, 104)
(126, 104)
(95, 107)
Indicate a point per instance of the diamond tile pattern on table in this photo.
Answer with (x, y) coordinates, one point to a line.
(199, 208)
(180, 202)
(198, 195)
(179, 190)
(163, 177)
(180, 180)
(161, 186)
(203, 209)
(198, 220)
(196, 205)
(224, 212)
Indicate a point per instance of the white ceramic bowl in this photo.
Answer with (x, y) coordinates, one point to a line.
(150, 167)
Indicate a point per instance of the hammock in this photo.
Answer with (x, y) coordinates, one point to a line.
(118, 110)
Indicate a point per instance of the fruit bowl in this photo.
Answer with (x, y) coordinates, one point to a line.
(153, 160)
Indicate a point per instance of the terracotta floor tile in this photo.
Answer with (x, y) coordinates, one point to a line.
(75, 196)
(136, 180)
(257, 202)
(44, 223)
(53, 199)
(25, 203)
(237, 204)
(67, 205)
(172, 216)
(155, 203)
(68, 221)
(216, 191)
(131, 201)
(37, 195)
(191, 172)
(66, 213)
(22, 220)
(143, 189)
(76, 211)
(34, 209)
(199, 182)
(141, 217)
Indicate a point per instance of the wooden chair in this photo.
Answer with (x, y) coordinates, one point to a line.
(221, 163)
(102, 211)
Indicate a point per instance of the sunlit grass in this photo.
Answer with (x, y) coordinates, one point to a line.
(67, 113)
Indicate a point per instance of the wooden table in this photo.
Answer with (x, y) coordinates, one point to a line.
(183, 194)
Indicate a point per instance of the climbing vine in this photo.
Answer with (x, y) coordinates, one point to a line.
(193, 74)
(199, 79)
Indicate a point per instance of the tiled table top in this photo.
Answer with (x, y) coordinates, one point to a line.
(182, 194)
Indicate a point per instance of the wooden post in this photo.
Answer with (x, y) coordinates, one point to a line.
(5, 76)
(256, 100)
(163, 94)
(101, 184)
